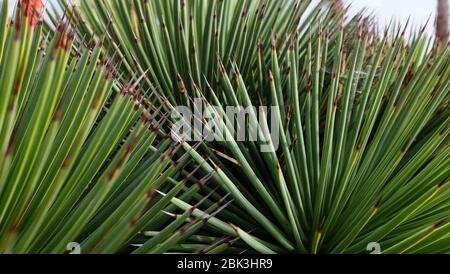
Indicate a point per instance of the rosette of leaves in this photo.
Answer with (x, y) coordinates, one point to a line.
(364, 146)
(84, 159)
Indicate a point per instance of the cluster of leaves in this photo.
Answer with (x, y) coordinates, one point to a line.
(82, 156)
(364, 144)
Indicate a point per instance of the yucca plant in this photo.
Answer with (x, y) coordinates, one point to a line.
(363, 150)
(85, 161)
(364, 147)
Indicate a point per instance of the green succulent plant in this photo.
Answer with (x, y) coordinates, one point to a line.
(364, 132)
(364, 143)
(82, 156)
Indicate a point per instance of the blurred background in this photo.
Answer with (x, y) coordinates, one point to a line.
(400, 10)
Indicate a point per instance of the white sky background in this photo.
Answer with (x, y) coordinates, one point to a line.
(385, 10)
(400, 10)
